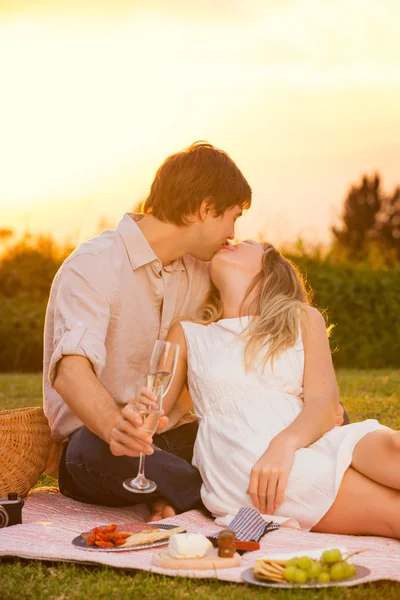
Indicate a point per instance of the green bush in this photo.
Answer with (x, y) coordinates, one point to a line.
(29, 267)
(26, 273)
(362, 302)
(21, 333)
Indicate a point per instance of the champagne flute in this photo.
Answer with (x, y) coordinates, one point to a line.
(161, 370)
(149, 413)
(162, 364)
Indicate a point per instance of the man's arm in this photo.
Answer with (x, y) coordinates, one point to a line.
(86, 396)
(81, 319)
(94, 406)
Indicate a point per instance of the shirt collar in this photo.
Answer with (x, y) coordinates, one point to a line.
(139, 250)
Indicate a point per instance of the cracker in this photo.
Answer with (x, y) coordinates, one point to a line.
(272, 561)
(151, 536)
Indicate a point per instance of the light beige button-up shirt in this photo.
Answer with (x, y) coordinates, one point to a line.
(109, 302)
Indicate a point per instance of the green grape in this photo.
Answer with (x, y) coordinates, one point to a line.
(338, 571)
(305, 563)
(292, 562)
(349, 570)
(325, 569)
(300, 576)
(324, 577)
(289, 573)
(331, 556)
(315, 570)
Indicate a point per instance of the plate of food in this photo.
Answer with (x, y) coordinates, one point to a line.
(124, 537)
(321, 567)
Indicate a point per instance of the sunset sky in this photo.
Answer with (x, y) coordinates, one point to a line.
(303, 94)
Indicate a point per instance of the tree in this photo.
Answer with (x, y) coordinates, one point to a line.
(5, 234)
(29, 266)
(370, 218)
(388, 226)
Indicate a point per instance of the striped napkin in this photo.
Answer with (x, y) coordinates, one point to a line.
(249, 525)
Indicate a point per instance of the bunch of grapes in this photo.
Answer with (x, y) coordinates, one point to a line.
(331, 567)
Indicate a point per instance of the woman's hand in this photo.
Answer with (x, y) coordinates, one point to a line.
(269, 476)
(127, 436)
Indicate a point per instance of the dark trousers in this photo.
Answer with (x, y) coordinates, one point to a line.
(90, 473)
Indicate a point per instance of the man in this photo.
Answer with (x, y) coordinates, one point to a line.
(111, 299)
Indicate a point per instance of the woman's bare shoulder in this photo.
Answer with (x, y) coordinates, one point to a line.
(312, 319)
(308, 313)
(176, 331)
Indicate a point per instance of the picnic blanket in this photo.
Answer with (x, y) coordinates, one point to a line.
(51, 521)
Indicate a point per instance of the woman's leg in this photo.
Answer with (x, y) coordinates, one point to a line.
(362, 507)
(377, 456)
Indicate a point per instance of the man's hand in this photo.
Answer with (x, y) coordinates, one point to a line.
(127, 437)
(269, 476)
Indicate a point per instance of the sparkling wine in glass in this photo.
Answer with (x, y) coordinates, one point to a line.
(162, 364)
(161, 370)
(149, 413)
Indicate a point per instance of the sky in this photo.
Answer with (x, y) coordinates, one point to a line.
(303, 95)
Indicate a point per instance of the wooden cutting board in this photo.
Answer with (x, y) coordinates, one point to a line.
(210, 561)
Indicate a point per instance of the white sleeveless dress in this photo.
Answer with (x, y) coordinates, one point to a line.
(240, 413)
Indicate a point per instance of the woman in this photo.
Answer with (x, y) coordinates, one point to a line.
(259, 371)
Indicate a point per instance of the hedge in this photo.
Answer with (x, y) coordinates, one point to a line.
(21, 333)
(362, 303)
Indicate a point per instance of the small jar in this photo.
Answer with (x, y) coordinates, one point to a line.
(226, 544)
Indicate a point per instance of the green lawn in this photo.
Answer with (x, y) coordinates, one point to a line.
(366, 394)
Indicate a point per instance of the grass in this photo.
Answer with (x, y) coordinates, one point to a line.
(366, 394)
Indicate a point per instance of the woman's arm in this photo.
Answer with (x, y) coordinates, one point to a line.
(321, 394)
(175, 393)
(180, 409)
(269, 475)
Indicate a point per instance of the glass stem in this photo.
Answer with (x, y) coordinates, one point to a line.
(140, 474)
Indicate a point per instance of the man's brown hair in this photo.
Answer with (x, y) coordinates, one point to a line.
(186, 178)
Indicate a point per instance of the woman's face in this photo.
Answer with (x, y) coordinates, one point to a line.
(241, 261)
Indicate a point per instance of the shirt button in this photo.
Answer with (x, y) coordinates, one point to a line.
(80, 324)
(158, 292)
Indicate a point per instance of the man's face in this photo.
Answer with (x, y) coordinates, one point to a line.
(214, 232)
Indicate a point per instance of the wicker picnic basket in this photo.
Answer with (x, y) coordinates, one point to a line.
(24, 449)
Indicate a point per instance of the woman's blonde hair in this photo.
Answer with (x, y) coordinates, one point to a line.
(275, 326)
